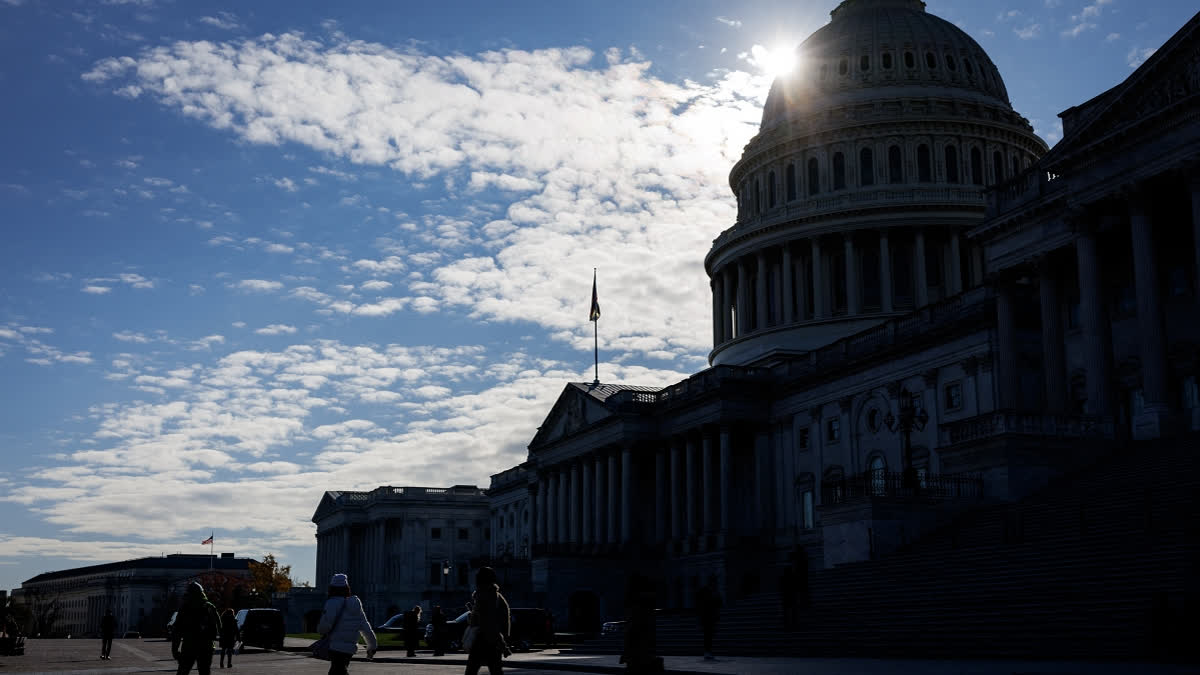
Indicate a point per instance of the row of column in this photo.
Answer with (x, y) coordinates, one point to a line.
(1095, 325)
(732, 286)
(593, 501)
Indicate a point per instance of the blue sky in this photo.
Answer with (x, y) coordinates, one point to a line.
(255, 251)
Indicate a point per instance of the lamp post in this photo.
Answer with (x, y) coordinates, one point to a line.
(445, 579)
(911, 419)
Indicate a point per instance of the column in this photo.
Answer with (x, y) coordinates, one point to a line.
(1194, 189)
(852, 296)
(575, 503)
(727, 300)
(551, 507)
(613, 523)
(564, 505)
(1093, 319)
(689, 494)
(801, 283)
(626, 494)
(777, 300)
(706, 475)
(818, 286)
(743, 299)
(919, 273)
(956, 286)
(762, 482)
(601, 495)
(661, 481)
(788, 271)
(1054, 356)
(715, 285)
(1006, 339)
(885, 272)
(535, 502)
(1153, 340)
(761, 294)
(589, 504)
(676, 490)
(726, 478)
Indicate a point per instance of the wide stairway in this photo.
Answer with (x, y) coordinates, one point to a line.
(1080, 570)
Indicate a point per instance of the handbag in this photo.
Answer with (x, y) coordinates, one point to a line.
(320, 648)
(470, 635)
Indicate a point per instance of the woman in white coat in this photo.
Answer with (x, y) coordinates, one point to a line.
(343, 630)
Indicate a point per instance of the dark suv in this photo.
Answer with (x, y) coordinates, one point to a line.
(260, 628)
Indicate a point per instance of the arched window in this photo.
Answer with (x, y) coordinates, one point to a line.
(951, 164)
(887, 60)
(864, 63)
(950, 62)
(967, 66)
(976, 166)
(771, 190)
(924, 165)
(910, 61)
(877, 470)
(839, 171)
(866, 167)
(930, 61)
(814, 176)
(1016, 166)
(757, 198)
(791, 182)
(895, 165)
(998, 166)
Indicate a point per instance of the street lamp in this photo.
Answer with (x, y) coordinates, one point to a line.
(445, 577)
(911, 419)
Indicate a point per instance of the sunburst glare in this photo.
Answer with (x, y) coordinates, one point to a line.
(775, 61)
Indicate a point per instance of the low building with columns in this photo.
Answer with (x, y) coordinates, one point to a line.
(403, 546)
(920, 309)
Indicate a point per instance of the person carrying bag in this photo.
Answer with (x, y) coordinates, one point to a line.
(341, 623)
(486, 638)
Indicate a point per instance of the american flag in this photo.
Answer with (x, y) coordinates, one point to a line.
(208, 541)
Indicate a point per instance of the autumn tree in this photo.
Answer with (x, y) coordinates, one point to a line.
(269, 577)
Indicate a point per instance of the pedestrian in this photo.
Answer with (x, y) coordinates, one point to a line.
(197, 624)
(438, 620)
(108, 627)
(640, 630)
(551, 638)
(490, 616)
(708, 603)
(344, 621)
(787, 597)
(229, 636)
(412, 630)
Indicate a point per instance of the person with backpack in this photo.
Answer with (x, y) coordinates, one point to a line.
(343, 621)
(196, 626)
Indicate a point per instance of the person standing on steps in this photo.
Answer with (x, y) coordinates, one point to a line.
(344, 621)
(108, 628)
(708, 604)
(196, 626)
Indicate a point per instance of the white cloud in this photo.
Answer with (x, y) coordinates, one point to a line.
(223, 20)
(1075, 30)
(96, 290)
(376, 285)
(276, 329)
(1137, 56)
(732, 23)
(1028, 32)
(286, 184)
(259, 285)
(1112, 37)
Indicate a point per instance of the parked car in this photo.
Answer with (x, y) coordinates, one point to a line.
(612, 628)
(392, 625)
(132, 635)
(454, 631)
(260, 628)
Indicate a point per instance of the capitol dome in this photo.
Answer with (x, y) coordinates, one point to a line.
(854, 198)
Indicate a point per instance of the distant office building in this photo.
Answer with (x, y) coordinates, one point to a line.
(137, 591)
(403, 546)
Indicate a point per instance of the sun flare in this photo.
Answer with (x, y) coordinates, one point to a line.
(775, 61)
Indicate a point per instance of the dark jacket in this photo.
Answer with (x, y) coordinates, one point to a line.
(491, 614)
(108, 626)
(197, 625)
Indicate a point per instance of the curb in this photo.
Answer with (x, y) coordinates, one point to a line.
(519, 663)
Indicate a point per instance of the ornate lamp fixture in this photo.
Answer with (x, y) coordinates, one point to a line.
(911, 418)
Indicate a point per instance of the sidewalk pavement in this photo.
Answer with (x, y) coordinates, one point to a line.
(553, 659)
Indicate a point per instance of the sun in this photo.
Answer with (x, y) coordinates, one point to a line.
(776, 61)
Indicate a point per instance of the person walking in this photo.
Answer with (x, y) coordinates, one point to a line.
(708, 603)
(438, 620)
(344, 620)
(196, 626)
(490, 616)
(412, 630)
(108, 628)
(229, 635)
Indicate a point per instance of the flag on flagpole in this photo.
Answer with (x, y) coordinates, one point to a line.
(208, 541)
(595, 313)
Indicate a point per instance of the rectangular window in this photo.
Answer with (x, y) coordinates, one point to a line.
(435, 574)
(808, 509)
(802, 439)
(953, 392)
(833, 429)
(435, 533)
(463, 535)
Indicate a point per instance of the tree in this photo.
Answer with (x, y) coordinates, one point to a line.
(20, 613)
(44, 608)
(269, 577)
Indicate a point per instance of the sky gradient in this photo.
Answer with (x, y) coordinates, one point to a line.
(256, 251)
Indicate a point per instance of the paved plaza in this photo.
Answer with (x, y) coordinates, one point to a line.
(63, 657)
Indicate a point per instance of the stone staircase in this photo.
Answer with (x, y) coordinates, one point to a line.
(1080, 570)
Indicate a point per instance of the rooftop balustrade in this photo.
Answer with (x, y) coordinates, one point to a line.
(1010, 422)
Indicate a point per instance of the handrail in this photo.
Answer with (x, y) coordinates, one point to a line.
(892, 484)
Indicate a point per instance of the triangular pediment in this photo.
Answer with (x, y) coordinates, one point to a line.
(1170, 76)
(326, 506)
(578, 406)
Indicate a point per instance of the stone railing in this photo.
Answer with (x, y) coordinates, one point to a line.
(883, 196)
(1008, 422)
(705, 380)
(1029, 185)
(891, 484)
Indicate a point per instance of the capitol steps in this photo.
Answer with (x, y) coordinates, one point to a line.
(1071, 572)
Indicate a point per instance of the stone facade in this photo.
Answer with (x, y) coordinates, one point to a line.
(403, 546)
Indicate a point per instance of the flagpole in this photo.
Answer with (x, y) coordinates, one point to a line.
(211, 543)
(595, 330)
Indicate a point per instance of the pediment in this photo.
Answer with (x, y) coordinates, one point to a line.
(327, 505)
(575, 409)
